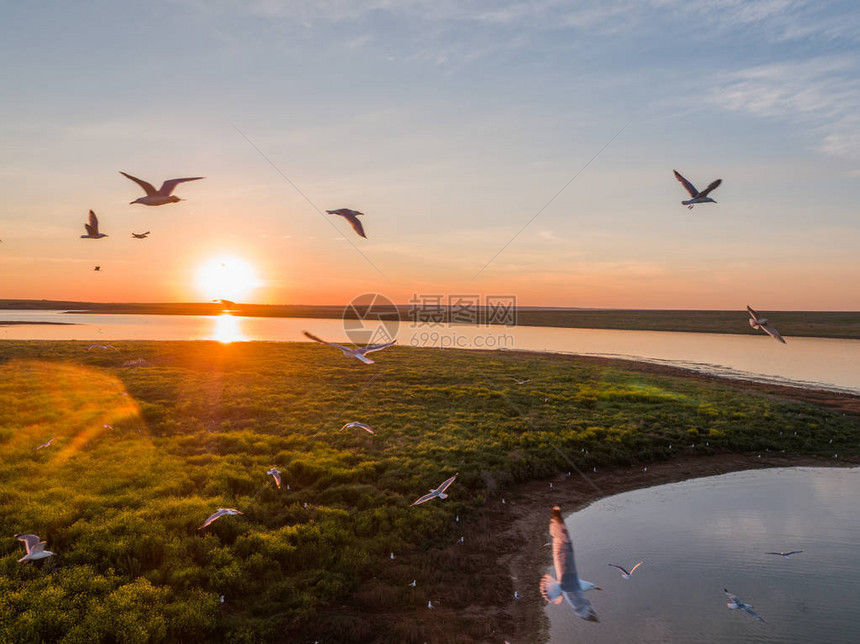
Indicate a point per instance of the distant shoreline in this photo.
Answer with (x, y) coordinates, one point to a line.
(22, 322)
(814, 324)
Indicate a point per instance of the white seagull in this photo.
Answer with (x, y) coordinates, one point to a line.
(162, 195)
(438, 492)
(366, 428)
(140, 235)
(413, 584)
(35, 548)
(101, 346)
(697, 197)
(758, 322)
(352, 217)
(48, 444)
(568, 586)
(359, 353)
(93, 228)
(275, 474)
(785, 555)
(735, 602)
(218, 514)
(624, 573)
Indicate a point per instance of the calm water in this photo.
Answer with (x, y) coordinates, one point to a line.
(817, 362)
(699, 536)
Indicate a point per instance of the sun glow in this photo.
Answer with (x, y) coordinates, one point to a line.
(227, 278)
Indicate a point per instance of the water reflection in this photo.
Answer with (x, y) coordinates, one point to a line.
(699, 536)
(227, 329)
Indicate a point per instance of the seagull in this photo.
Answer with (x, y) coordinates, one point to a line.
(429, 604)
(93, 228)
(462, 540)
(101, 346)
(98, 268)
(392, 556)
(624, 573)
(352, 217)
(758, 322)
(521, 382)
(413, 584)
(357, 353)
(35, 548)
(276, 474)
(785, 555)
(162, 195)
(48, 444)
(697, 197)
(140, 235)
(735, 602)
(218, 514)
(366, 428)
(568, 586)
(517, 595)
(438, 492)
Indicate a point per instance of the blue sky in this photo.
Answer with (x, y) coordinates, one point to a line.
(450, 124)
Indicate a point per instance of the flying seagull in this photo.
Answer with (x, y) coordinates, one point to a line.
(697, 197)
(35, 548)
(438, 492)
(101, 346)
(276, 474)
(352, 217)
(48, 444)
(140, 235)
(735, 602)
(358, 353)
(366, 428)
(568, 586)
(758, 322)
(624, 573)
(93, 228)
(522, 382)
(162, 195)
(98, 268)
(218, 514)
(785, 555)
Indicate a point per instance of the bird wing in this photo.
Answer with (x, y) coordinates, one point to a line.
(446, 483)
(331, 344)
(635, 567)
(212, 517)
(168, 186)
(277, 476)
(148, 188)
(752, 312)
(712, 186)
(562, 553)
(689, 186)
(356, 224)
(772, 332)
(620, 568)
(31, 542)
(733, 598)
(581, 606)
(375, 347)
(424, 498)
(366, 428)
(749, 609)
(93, 224)
(793, 552)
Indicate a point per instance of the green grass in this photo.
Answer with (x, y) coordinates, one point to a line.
(198, 430)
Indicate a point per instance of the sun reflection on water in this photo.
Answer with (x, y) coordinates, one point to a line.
(227, 329)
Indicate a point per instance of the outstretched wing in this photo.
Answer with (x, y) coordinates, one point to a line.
(772, 332)
(752, 312)
(635, 567)
(148, 188)
(375, 347)
(356, 224)
(749, 609)
(622, 569)
(331, 344)
(212, 517)
(93, 225)
(581, 606)
(168, 186)
(446, 484)
(424, 498)
(689, 186)
(712, 186)
(31, 542)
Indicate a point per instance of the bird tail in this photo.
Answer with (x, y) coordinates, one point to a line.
(551, 589)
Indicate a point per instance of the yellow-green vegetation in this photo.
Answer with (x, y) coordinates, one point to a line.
(197, 430)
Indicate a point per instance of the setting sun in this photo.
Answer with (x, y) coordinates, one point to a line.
(228, 278)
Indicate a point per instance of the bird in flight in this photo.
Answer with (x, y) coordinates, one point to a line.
(93, 228)
(438, 492)
(48, 444)
(785, 555)
(98, 268)
(735, 602)
(275, 474)
(568, 585)
(697, 197)
(352, 217)
(218, 514)
(140, 235)
(35, 548)
(366, 428)
(359, 353)
(161, 196)
(624, 573)
(758, 322)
